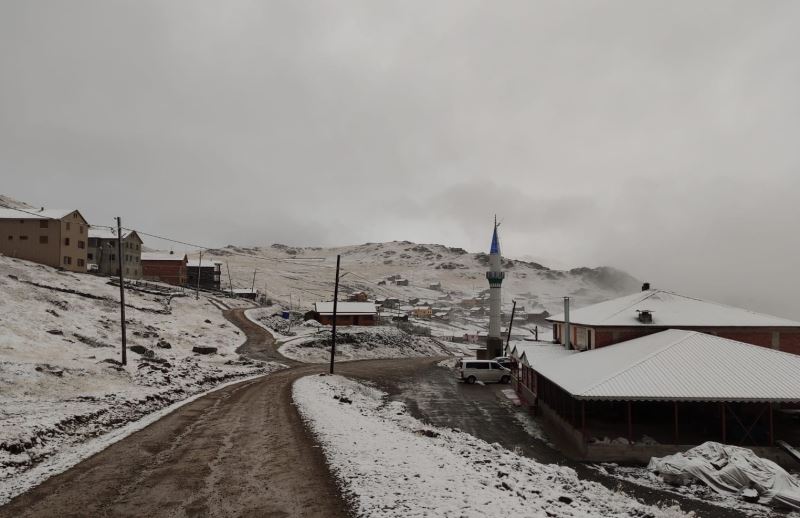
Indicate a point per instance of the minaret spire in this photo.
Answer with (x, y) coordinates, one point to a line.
(495, 276)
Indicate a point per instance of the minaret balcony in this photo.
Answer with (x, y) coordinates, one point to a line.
(495, 277)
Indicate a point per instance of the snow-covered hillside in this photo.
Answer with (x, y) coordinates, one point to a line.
(60, 380)
(308, 274)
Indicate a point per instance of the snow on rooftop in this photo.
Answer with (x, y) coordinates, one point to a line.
(162, 256)
(669, 310)
(534, 353)
(346, 308)
(106, 233)
(206, 263)
(6, 213)
(678, 365)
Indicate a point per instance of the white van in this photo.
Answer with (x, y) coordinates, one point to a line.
(482, 370)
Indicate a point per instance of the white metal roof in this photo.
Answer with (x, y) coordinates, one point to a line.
(669, 310)
(162, 256)
(35, 213)
(678, 365)
(346, 308)
(107, 233)
(207, 263)
(533, 353)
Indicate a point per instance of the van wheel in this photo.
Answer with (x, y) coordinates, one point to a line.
(471, 380)
(505, 380)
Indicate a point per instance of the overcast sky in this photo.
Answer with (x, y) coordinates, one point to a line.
(662, 138)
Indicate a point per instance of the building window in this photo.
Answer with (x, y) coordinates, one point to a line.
(113, 257)
(68, 225)
(23, 238)
(42, 240)
(11, 238)
(81, 262)
(43, 223)
(90, 257)
(81, 244)
(67, 259)
(66, 241)
(80, 229)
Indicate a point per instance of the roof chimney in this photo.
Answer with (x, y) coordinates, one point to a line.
(645, 316)
(646, 286)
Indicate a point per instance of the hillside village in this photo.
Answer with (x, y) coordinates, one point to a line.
(64, 385)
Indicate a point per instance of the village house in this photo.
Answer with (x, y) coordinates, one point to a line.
(103, 252)
(422, 312)
(360, 296)
(436, 286)
(654, 310)
(401, 282)
(210, 273)
(53, 237)
(164, 267)
(659, 394)
(347, 313)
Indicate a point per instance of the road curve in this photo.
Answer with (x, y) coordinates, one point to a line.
(239, 451)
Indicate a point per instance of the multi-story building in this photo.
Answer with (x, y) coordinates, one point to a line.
(164, 267)
(103, 252)
(55, 237)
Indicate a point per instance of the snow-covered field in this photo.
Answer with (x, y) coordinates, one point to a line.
(60, 380)
(391, 464)
(309, 342)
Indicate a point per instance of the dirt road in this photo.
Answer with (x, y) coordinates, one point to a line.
(239, 451)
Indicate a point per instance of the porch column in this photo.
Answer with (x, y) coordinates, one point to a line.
(771, 429)
(677, 440)
(630, 423)
(724, 434)
(583, 422)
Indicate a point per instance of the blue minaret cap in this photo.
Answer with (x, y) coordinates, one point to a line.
(495, 249)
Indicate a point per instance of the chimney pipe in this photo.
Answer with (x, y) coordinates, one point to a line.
(567, 332)
(646, 286)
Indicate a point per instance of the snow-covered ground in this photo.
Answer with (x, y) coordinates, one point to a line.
(60, 380)
(309, 341)
(391, 464)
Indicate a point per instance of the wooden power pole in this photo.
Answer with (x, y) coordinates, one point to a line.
(199, 267)
(121, 292)
(335, 300)
(510, 323)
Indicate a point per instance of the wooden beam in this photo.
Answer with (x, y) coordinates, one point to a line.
(771, 427)
(630, 423)
(724, 433)
(677, 434)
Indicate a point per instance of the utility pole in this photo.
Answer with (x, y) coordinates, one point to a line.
(121, 292)
(230, 282)
(199, 264)
(253, 287)
(510, 323)
(290, 311)
(335, 300)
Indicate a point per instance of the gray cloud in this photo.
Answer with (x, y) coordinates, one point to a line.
(656, 137)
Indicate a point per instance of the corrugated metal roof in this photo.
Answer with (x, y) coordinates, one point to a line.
(534, 353)
(162, 256)
(35, 213)
(107, 233)
(346, 308)
(678, 365)
(207, 263)
(669, 310)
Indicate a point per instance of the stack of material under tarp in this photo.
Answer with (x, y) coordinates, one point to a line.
(730, 469)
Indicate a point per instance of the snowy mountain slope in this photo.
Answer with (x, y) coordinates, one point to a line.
(60, 383)
(308, 273)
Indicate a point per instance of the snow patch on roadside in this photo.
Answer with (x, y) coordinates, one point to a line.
(391, 464)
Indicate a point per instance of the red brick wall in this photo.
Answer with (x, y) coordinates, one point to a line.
(789, 339)
(790, 342)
